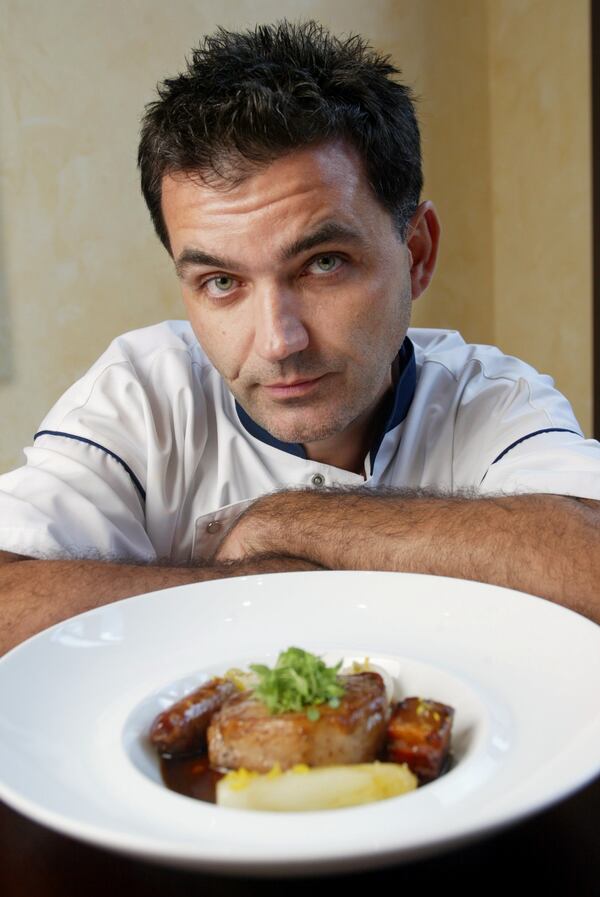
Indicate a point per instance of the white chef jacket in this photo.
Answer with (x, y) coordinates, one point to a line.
(148, 456)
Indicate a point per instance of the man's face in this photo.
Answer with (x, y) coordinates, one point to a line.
(297, 286)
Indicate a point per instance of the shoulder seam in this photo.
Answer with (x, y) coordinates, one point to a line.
(509, 379)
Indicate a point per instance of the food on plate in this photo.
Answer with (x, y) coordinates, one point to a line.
(419, 734)
(300, 736)
(298, 679)
(323, 788)
(245, 733)
(181, 729)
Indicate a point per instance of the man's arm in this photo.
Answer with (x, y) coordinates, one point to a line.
(547, 545)
(35, 594)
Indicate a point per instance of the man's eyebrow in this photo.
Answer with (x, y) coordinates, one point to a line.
(330, 230)
(190, 257)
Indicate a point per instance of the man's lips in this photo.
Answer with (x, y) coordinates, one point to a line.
(292, 388)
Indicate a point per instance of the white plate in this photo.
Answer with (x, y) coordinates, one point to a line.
(76, 702)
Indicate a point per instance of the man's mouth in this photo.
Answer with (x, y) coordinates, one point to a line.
(282, 389)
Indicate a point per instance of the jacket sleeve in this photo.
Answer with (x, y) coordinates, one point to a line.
(526, 436)
(82, 491)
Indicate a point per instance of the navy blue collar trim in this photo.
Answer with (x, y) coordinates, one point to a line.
(401, 399)
(292, 448)
(394, 413)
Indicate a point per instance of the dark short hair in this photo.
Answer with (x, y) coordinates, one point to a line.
(248, 98)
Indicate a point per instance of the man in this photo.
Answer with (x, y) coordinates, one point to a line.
(283, 175)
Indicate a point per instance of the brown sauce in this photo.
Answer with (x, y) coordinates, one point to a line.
(191, 776)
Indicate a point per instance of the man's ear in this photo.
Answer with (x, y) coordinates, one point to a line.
(422, 241)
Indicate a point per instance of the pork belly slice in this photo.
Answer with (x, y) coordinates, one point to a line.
(418, 734)
(243, 733)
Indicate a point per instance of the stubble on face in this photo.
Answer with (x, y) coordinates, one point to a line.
(345, 395)
(354, 325)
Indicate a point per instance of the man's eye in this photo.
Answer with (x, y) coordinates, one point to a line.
(219, 285)
(325, 264)
(223, 283)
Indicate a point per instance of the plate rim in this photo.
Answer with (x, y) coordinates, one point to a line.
(100, 836)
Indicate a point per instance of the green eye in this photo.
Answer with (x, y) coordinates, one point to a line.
(326, 262)
(223, 283)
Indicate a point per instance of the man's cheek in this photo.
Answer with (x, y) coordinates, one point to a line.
(220, 350)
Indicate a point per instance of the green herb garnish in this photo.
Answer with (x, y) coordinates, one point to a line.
(299, 679)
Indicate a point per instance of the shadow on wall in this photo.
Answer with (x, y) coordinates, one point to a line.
(6, 353)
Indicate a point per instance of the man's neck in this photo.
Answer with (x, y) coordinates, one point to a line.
(347, 450)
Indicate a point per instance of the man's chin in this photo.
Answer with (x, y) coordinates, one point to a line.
(298, 432)
(301, 435)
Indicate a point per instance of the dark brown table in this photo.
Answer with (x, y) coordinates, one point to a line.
(554, 852)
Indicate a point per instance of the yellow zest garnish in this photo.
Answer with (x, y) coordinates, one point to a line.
(236, 675)
(300, 768)
(238, 779)
(361, 666)
(274, 772)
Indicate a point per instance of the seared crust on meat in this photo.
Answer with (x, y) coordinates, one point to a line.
(419, 735)
(181, 729)
(244, 734)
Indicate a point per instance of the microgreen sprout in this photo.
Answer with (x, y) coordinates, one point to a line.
(298, 680)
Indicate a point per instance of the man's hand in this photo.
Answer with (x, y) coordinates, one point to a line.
(249, 537)
(547, 545)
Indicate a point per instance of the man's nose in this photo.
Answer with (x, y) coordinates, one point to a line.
(279, 329)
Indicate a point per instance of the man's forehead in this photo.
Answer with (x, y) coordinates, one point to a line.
(334, 167)
(295, 194)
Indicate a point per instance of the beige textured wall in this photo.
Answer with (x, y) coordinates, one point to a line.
(541, 189)
(506, 142)
(454, 111)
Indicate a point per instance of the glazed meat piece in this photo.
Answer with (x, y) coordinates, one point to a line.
(181, 729)
(244, 734)
(418, 734)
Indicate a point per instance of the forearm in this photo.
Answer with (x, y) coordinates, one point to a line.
(542, 544)
(35, 594)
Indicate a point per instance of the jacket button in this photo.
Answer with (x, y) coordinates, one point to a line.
(317, 479)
